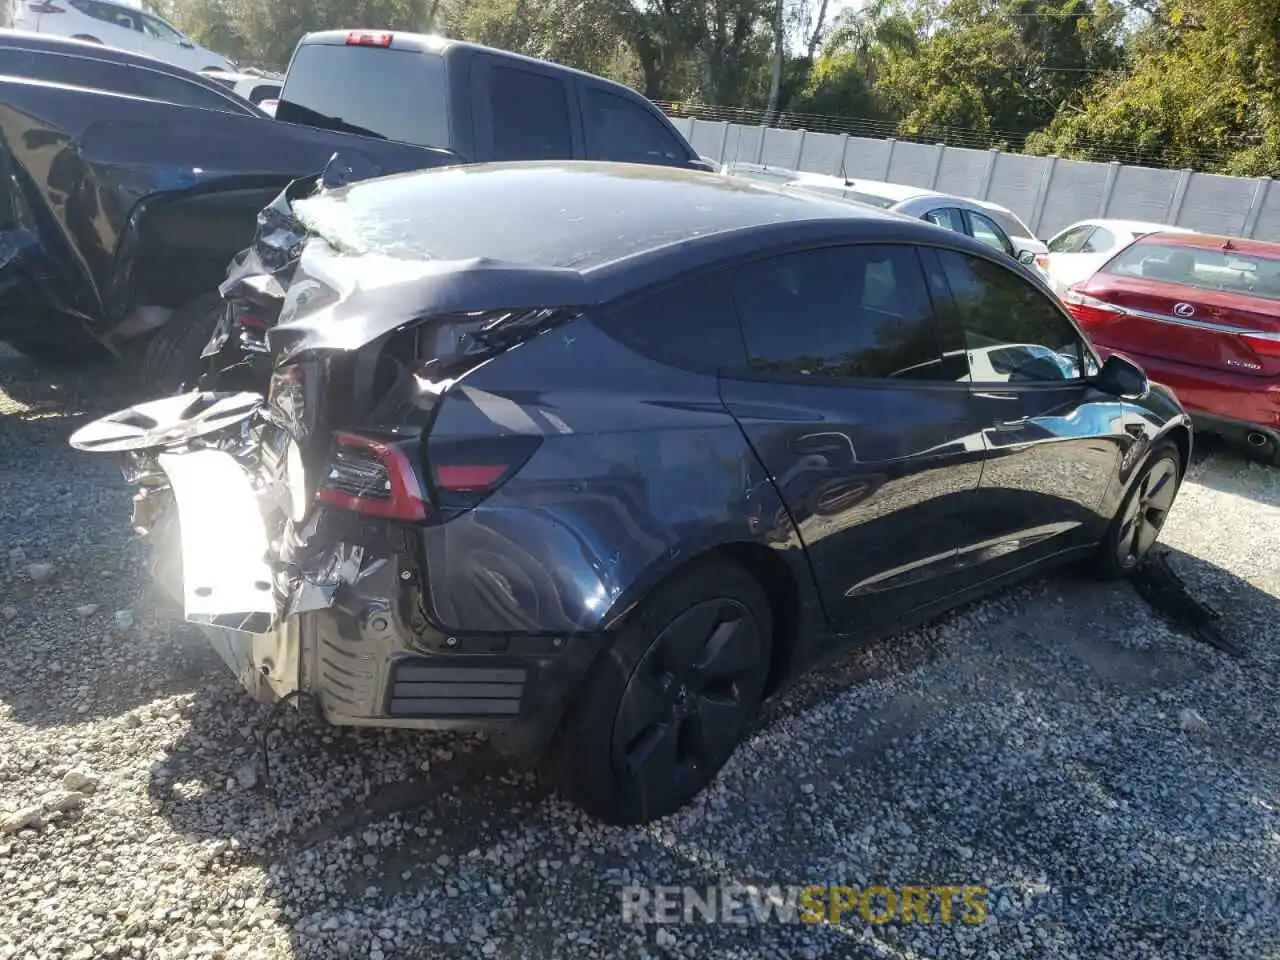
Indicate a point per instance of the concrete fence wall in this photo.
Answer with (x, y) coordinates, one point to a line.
(1048, 193)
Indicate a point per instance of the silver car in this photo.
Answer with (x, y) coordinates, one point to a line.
(979, 219)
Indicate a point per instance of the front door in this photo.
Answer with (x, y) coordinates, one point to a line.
(866, 430)
(1053, 441)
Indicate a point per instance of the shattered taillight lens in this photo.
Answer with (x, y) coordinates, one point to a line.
(373, 478)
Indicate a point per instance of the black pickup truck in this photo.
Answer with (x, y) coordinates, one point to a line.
(120, 210)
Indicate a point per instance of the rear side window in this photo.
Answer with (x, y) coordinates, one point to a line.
(1216, 269)
(109, 13)
(688, 324)
(374, 91)
(626, 132)
(949, 218)
(161, 86)
(530, 116)
(1071, 240)
(853, 311)
(1013, 333)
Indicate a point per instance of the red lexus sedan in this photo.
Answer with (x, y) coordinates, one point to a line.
(1201, 314)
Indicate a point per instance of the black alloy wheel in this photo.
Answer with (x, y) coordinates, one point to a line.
(1142, 515)
(669, 699)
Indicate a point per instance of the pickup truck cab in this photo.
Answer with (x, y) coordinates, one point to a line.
(481, 103)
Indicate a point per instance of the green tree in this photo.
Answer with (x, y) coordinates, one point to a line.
(1201, 90)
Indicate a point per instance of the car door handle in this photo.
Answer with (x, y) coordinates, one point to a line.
(994, 395)
(1010, 425)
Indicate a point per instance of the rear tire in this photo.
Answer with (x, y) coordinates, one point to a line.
(1142, 513)
(171, 360)
(668, 699)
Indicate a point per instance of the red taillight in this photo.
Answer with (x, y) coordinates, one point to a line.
(469, 477)
(373, 478)
(1263, 344)
(360, 38)
(1089, 311)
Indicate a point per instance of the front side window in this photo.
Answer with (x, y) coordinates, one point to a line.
(530, 116)
(160, 30)
(986, 231)
(626, 132)
(854, 311)
(1070, 241)
(1009, 223)
(1013, 332)
(108, 13)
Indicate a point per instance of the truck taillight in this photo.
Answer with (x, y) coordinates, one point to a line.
(372, 478)
(362, 38)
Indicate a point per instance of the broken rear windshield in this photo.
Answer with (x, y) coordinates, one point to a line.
(1217, 269)
(375, 91)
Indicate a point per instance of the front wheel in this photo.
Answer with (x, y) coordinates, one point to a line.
(668, 700)
(1142, 514)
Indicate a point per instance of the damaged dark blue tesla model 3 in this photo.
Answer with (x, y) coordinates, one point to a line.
(598, 457)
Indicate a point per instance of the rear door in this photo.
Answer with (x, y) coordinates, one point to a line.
(523, 111)
(867, 431)
(1206, 308)
(1053, 442)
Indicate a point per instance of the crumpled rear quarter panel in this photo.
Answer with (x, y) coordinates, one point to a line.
(640, 469)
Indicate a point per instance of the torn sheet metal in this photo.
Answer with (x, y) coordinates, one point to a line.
(117, 196)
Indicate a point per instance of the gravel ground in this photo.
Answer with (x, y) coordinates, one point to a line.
(1113, 783)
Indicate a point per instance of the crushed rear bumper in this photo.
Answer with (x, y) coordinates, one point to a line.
(349, 631)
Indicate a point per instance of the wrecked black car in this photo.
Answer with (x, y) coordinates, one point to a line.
(596, 457)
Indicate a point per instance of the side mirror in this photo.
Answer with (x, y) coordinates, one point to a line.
(1121, 377)
(1027, 257)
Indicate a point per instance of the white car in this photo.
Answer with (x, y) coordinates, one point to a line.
(258, 89)
(1076, 253)
(115, 25)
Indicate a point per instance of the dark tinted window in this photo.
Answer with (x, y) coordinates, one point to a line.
(949, 218)
(161, 86)
(625, 131)
(115, 77)
(689, 324)
(530, 116)
(377, 91)
(856, 311)
(1013, 332)
(1100, 241)
(986, 231)
(77, 72)
(108, 13)
(1071, 240)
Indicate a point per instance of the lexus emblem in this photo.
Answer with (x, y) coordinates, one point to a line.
(1183, 309)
